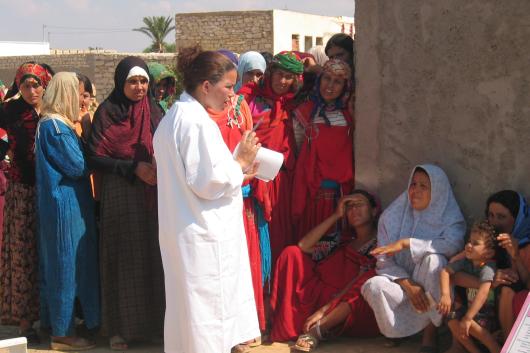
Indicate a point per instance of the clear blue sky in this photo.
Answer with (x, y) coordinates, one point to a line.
(108, 23)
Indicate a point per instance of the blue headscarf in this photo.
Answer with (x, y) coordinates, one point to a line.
(521, 228)
(251, 60)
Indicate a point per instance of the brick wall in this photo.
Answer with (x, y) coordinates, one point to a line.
(237, 31)
(99, 67)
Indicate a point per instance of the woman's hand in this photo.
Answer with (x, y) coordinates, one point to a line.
(465, 324)
(392, 248)
(510, 244)
(146, 172)
(444, 306)
(341, 206)
(505, 277)
(247, 150)
(416, 295)
(313, 319)
(251, 172)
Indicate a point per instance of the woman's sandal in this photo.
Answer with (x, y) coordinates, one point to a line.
(117, 343)
(240, 348)
(79, 344)
(310, 341)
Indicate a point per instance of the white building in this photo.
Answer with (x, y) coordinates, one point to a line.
(24, 48)
(268, 30)
(300, 31)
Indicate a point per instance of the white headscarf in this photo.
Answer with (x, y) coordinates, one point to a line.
(251, 60)
(438, 229)
(319, 54)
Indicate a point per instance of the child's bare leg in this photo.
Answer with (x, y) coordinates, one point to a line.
(485, 337)
(506, 317)
(466, 342)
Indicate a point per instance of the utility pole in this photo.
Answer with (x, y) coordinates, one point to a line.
(43, 30)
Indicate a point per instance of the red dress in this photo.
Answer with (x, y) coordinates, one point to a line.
(276, 133)
(302, 286)
(326, 154)
(232, 123)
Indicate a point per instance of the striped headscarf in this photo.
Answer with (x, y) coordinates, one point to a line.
(33, 70)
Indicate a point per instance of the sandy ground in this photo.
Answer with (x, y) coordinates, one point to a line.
(340, 345)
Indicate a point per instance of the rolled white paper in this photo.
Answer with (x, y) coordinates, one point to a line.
(270, 163)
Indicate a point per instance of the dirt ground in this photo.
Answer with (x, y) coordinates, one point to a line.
(340, 345)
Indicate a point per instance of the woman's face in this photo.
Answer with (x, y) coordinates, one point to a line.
(162, 88)
(135, 88)
(500, 217)
(282, 81)
(331, 87)
(420, 191)
(252, 76)
(84, 98)
(336, 52)
(359, 212)
(31, 91)
(219, 94)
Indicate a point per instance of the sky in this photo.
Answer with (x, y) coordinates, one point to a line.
(108, 24)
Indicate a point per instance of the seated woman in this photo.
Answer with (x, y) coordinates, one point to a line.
(318, 298)
(508, 212)
(421, 229)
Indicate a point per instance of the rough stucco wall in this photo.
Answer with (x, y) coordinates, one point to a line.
(98, 67)
(239, 31)
(446, 82)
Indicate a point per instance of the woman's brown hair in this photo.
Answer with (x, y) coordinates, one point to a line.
(197, 66)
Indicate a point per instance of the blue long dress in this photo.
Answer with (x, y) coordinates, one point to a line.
(67, 229)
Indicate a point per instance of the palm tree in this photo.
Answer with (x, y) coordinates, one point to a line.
(157, 28)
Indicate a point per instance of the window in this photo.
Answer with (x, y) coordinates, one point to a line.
(308, 43)
(319, 41)
(295, 42)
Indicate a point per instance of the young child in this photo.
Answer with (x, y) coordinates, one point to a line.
(476, 319)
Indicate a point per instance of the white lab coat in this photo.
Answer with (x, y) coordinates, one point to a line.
(209, 297)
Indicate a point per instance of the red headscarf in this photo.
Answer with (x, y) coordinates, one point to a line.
(33, 70)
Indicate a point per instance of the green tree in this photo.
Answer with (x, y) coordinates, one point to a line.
(157, 28)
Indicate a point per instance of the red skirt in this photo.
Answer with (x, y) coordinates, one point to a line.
(301, 286)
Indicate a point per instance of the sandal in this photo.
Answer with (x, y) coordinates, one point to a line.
(117, 343)
(255, 342)
(311, 341)
(240, 348)
(79, 344)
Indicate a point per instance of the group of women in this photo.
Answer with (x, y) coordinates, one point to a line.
(111, 223)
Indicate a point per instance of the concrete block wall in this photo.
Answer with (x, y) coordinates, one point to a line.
(99, 67)
(239, 31)
(446, 82)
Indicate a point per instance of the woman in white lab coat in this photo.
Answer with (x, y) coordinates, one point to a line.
(209, 297)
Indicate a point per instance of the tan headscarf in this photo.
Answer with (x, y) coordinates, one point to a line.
(61, 99)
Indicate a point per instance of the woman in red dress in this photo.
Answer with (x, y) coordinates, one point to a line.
(323, 130)
(319, 298)
(271, 101)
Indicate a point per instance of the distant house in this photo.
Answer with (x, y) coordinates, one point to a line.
(270, 30)
(24, 48)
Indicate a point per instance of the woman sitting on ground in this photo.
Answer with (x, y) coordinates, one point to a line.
(318, 299)
(421, 229)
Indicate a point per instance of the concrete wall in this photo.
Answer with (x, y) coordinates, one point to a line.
(99, 67)
(238, 31)
(289, 23)
(446, 82)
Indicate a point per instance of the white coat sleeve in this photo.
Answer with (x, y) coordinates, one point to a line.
(211, 171)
